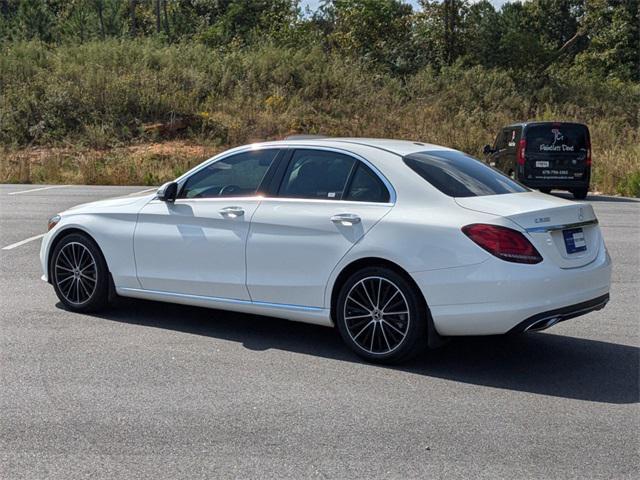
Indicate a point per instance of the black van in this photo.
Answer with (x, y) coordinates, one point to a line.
(545, 155)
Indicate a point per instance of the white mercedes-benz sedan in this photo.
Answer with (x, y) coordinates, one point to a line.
(397, 243)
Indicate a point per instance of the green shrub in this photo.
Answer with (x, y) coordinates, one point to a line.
(101, 95)
(630, 185)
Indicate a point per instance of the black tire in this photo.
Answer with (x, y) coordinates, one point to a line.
(382, 334)
(81, 286)
(580, 193)
(545, 190)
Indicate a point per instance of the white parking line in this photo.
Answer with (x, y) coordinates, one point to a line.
(36, 189)
(22, 242)
(142, 191)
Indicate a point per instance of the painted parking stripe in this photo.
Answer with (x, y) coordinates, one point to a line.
(22, 242)
(142, 191)
(37, 189)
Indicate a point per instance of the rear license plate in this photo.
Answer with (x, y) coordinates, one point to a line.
(574, 240)
(542, 164)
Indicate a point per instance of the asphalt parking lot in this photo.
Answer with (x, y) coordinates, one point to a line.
(150, 390)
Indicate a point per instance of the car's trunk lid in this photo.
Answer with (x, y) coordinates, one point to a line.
(563, 231)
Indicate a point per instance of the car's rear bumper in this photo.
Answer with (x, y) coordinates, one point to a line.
(544, 320)
(496, 297)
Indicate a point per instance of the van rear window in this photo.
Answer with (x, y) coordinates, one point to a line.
(459, 175)
(556, 139)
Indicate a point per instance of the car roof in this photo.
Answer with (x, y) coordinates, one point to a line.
(398, 147)
(525, 124)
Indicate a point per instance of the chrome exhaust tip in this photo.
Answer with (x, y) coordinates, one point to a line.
(542, 324)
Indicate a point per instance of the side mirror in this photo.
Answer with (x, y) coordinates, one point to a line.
(168, 192)
(487, 150)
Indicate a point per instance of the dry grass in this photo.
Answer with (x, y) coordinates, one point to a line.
(88, 108)
(145, 164)
(616, 170)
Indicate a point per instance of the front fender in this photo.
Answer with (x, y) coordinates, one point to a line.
(113, 232)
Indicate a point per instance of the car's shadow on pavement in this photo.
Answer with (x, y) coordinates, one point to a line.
(541, 363)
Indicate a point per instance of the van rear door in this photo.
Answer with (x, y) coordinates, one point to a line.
(557, 151)
(504, 158)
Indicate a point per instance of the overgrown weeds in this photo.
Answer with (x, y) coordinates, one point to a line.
(83, 113)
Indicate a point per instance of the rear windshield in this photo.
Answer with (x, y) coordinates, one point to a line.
(459, 175)
(556, 139)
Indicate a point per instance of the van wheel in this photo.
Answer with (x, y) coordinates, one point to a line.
(545, 190)
(580, 193)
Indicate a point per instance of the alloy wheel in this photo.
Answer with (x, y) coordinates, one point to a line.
(76, 273)
(376, 314)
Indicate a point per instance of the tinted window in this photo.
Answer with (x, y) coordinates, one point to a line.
(236, 176)
(366, 186)
(459, 175)
(316, 174)
(556, 139)
(508, 139)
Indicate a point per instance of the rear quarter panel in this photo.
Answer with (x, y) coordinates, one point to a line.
(419, 238)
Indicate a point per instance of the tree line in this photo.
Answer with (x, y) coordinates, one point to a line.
(599, 37)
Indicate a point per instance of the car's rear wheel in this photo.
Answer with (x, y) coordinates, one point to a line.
(79, 274)
(580, 193)
(381, 316)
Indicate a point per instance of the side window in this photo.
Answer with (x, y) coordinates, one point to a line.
(316, 174)
(513, 137)
(508, 139)
(366, 186)
(236, 176)
(501, 141)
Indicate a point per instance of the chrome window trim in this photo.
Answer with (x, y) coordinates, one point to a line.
(261, 199)
(392, 192)
(180, 201)
(324, 201)
(552, 228)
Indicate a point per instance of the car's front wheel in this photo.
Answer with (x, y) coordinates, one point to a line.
(381, 316)
(79, 273)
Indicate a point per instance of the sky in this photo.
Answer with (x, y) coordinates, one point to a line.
(313, 4)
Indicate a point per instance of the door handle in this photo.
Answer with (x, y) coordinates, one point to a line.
(346, 219)
(231, 212)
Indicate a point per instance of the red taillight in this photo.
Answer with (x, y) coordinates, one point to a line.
(520, 153)
(503, 242)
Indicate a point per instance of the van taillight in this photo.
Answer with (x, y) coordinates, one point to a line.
(502, 242)
(520, 153)
(589, 153)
